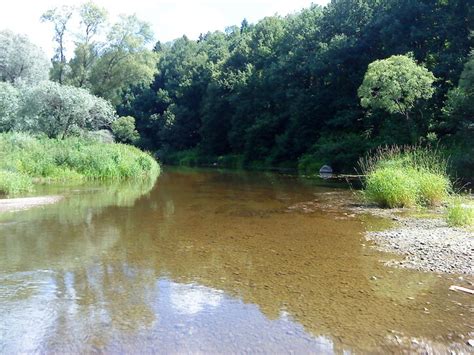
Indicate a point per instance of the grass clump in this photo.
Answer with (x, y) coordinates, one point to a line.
(460, 213)
(38, 159)
(14, 183)
(406, 177)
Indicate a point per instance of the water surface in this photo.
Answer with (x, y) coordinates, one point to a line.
(213, 261)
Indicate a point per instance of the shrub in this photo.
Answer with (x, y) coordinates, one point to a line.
(309, 164)
(124, 129)
(13, 183)
(61, 110)
(460, 213)
(405, 177)
(9, 105)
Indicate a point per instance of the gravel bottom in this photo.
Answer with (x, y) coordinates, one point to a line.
(428, 245)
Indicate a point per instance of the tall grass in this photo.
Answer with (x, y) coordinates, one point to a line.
(405, 177)
(460, 213)
(25, 159)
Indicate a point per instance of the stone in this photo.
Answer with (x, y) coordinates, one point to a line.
(325, 169)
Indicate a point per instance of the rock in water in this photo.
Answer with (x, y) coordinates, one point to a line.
(325, 169)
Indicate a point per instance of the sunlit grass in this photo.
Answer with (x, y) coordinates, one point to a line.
(405, 177)
(460, 213)
(14, 183)
(24, 159)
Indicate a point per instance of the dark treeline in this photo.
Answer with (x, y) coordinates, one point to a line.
(284, 91)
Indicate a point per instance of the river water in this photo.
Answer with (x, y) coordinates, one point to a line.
(210, 261)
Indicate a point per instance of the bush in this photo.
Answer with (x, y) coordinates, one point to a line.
(71, 159)
(9, 106)
(460, 213)
(124, 129)
(405, 177)
(309, 164)
(61, 110)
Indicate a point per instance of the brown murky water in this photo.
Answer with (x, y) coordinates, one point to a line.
(209, 261)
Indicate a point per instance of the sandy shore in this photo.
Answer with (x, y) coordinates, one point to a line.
(18, 204)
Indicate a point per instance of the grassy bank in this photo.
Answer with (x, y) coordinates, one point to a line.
(26, 160)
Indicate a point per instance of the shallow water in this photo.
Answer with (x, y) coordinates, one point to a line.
(210, 261)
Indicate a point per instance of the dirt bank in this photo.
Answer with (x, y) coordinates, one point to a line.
(18, 204)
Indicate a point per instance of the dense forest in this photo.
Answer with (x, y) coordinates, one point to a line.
(286, 91)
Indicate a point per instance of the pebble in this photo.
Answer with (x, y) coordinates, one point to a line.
(429, 245)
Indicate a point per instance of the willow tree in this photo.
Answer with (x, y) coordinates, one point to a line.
(395, 85)
(20, 60)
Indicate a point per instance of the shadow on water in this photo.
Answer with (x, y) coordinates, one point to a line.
(212, 261)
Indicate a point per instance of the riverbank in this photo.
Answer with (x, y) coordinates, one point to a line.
(421, 238)
(427, 244)
(27, 160)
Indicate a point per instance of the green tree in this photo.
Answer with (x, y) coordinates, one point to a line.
(20, 60)
(61, 110)
(59, 17)
(125, 61)
(92, 21)
(395, 85)
(9, 106)
(124, 130)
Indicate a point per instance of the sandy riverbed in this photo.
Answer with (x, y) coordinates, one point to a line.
(18, 204)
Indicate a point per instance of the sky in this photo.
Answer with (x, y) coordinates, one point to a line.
(170, 19)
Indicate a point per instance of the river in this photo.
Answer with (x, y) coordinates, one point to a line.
(208, 261)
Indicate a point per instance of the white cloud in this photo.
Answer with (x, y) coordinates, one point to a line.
(192, 299)
(170, 18)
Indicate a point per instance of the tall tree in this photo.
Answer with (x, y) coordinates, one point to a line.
(125, 60)
(396, 84)
(59, 17)
(92, 21)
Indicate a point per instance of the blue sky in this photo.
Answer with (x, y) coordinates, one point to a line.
(170, 18)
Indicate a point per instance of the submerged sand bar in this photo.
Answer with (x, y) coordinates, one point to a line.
(18, 204)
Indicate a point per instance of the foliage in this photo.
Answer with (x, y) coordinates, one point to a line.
(125, 60)
(287, 87)
(24, 157)
(59, 17)
(395, 84)
(106, 67)
(405, 177)
(61, 110)
(457, 123)
(12, 183)
(309, 164)
(92, 22)
(460, 213)
(124, 130)
(20, 60)
(9, 106)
